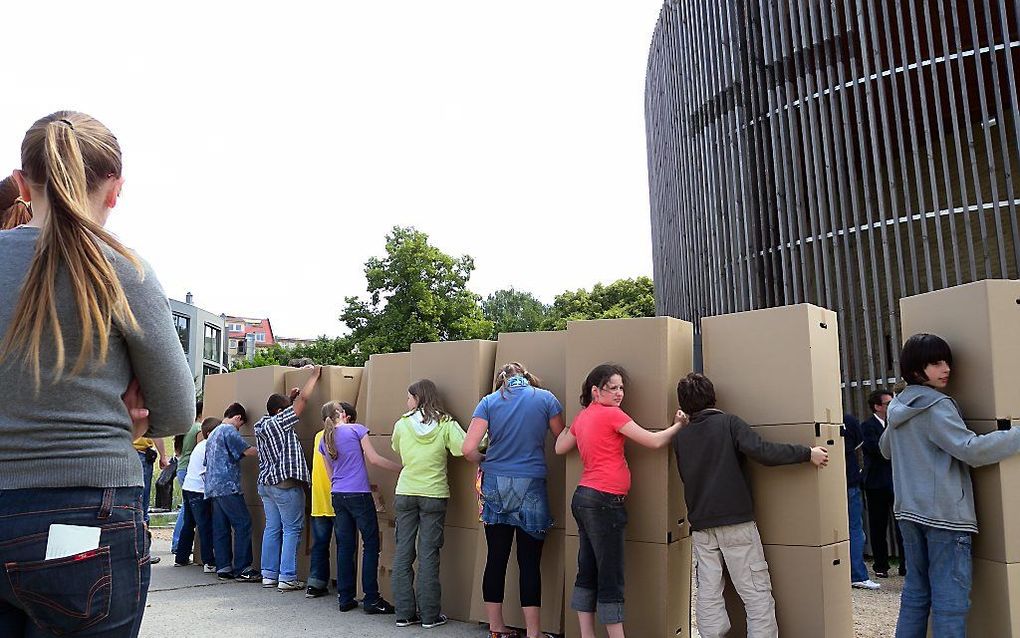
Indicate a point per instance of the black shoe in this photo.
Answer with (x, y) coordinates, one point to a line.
(407, 622)
(315, 592)
(224, 576)
(903, 571)
(154, 559)
(380, 606)
(438, 622)
(249, 576)
(353, 604)
(882, 574)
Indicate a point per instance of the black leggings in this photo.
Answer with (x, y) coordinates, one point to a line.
(529, 560)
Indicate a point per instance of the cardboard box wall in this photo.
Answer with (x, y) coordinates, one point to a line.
(801, 504)
(655, 351)
(981, 323)
(995, 599)
(553, 556)
(775, 366)
(386, 397)
(657, 595)
(251, 388)
(998, 513)
(461, 370)
(656, 510)
(544, 354)
(336, 383)
(811, 588)
(362, 405)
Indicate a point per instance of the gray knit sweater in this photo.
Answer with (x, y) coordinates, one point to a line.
(77, 432)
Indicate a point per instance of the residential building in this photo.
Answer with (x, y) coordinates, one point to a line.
(291, 342)
(238, 328)
(203, 337)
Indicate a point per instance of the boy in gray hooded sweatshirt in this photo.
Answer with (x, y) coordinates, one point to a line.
(932, 451)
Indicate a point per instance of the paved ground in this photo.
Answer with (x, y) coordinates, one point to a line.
(183, 601)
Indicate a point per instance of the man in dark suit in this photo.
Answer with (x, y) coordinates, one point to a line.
(878, 485)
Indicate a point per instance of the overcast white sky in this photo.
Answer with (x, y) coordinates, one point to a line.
(269, 148)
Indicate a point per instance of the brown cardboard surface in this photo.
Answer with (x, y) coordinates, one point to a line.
(998, 513)
(553, 553)
(775, 366)
(254, 386)
(362, 405)
(657, 594)
(995, 599)
(461, 370)
(801, 504)
(383, 482)
(456, 569)
(386, 398)
(337, 383)
(811, 589)
(250, 476)
(656, 510)
(220, 390)
(462, 508)
(655, 351)
(981, 323)
(543, 354)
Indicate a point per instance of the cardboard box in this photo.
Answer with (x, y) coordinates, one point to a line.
(657, 596)
(220, 390)
(461, 370)
(811, 589)
(655, 351)
(981, 323)
(386, 399)
(775, 366)
(251, 388)
(656, 510)
(544, 354)
(362, 405)
(383, 482)
(553, 556)
(462, 508)
(250, 476)
(456, 569)
(337, 383)
(995, 599)
(801, 504)
(998, 513)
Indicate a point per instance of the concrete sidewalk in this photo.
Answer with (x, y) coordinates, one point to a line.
(183, 601)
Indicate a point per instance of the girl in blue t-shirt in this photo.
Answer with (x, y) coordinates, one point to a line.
(517, 417)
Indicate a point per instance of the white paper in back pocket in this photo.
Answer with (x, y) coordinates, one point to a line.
(68, 540)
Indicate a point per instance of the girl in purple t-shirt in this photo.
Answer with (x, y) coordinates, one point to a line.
(345, 447)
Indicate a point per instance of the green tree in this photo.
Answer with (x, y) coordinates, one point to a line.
(417, 293)
(619, 300)
(513, 311)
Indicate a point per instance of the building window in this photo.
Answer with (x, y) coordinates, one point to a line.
(208, 369)
(183, 325)
(213, 342)
(235, 327)
(233, 344)
(260, 337)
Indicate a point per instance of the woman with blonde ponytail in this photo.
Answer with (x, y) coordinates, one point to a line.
(344, 449)
(86, 333)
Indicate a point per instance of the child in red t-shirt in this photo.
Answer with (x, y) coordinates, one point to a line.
(599, 432)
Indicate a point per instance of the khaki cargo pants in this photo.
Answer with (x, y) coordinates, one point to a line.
(740, 547)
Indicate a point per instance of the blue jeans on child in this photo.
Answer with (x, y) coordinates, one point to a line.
(355, 512)
(181, 475)
(858, 568)
(229, 513)
(96, 594)
(938, 582)
(285, 519)
(601, 521)
(147, 482)
(195, 511)
(322, 536)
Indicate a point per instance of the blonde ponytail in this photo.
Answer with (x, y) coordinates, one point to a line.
(330, 417)
(70, 156)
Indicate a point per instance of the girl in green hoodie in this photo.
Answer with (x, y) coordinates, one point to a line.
(422, 438)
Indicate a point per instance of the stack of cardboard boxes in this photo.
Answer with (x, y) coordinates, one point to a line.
(544, 355)
(778, 369)
(656, 352)
(981, 323)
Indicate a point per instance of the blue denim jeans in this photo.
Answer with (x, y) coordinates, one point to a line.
(322, 536)
(938, 582)
(601, 520)
(858, 568)
(147, 490)
(98, 593)
(355, 512)
(285, 519)
(181, 475)
(230, 514)
(196, 512)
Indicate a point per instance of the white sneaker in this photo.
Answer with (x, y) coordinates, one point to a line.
(268, 582)
(209, 569)
(866, 584)
(291, 585)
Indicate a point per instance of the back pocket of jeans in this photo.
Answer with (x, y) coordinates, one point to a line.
(760, 576)
(64, 595)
